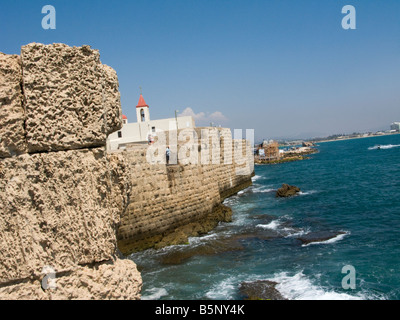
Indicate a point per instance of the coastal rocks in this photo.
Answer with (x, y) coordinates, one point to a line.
(260, 290)
(71, 99)
(215, 247)
(12, 114)
(287, 191)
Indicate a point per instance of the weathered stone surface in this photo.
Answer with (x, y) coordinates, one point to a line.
(113, 280)
(71, 99)
(112, 100)
(59, 209)
(168, 204)
(12, 115)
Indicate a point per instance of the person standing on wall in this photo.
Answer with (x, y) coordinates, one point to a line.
(167, 154)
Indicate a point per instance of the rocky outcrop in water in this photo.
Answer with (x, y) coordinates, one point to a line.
(12, 114)
(287, 191)
(260, 290)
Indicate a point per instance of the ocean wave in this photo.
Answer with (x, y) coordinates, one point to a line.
(337, 238)
(193, 241)
(154, 294)
(261, 189)
(306, 193)
(273, 225)
(280, 228)
(385, 147)
(256, 177)
(300, 287)
(223, 290)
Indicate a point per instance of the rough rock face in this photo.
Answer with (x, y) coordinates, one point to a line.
(61, 209)
(12, 115)
(113, 280)
(58, 205)
(287, 191)
(112, 100)
(71, 99)
(61, 195)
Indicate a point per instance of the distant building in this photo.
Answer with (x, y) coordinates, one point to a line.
(395, 126)
(268, 150)
(144, 128)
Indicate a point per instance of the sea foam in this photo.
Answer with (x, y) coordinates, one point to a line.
(385, 147)
(273, 225)
(155, 294)
(339, 237)
(300, 287)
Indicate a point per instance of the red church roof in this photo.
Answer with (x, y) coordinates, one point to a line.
(141, 103)
(124, 117)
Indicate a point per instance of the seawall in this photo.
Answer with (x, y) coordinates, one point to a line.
(61, 195)
(170, 203)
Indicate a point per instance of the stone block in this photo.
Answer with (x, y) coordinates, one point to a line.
(114, 280)
(58, 209)
(12, 114)
(71, 99)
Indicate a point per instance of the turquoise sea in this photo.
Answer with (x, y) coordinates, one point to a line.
(350, 191)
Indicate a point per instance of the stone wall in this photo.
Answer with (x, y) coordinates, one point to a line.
(169, 203)
(67, 207)
(61, 195)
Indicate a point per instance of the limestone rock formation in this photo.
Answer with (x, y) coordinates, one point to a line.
(287, 191)
(58, 206)
(113, 280)
(12, 115)
(71, 99)
(61, 194)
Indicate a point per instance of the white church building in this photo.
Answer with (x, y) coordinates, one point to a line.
(144, 128)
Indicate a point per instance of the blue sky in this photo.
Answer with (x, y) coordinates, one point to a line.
(281, 67)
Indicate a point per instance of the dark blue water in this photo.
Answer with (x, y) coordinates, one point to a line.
(350, 190)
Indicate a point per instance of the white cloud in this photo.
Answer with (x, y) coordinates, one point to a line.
(218, 116)
(202, 118)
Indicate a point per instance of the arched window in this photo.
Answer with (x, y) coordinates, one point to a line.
(142, 116)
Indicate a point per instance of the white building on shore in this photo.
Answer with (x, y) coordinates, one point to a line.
(395, 126)
(140, 131)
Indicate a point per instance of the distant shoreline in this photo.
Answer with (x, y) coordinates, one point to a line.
(352, 138)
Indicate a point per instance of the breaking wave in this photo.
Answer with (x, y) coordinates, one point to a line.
(300, 287)
(280, 228)
(385, 147)
(337, 238)
(155, 294)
